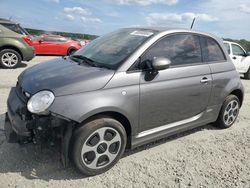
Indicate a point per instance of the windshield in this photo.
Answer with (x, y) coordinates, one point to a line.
(112, 49)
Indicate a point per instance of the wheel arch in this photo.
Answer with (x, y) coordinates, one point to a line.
(70, 48)
(238, 93)
(114, 115)
(12, 48)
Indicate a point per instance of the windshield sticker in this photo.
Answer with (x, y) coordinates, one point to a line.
(142, 33)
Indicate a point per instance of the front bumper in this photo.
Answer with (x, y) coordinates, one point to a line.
(15, 117)
(21, 125)
(10, 134)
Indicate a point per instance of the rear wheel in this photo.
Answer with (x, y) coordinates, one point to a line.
(98, 145)
(247, 74)
(71, 51)
(9, 58)
(229, 112)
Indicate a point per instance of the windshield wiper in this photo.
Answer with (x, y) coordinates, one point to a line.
(88, 61)
(84, 59)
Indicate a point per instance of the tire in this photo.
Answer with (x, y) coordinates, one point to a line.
(71, 51)
(247, 74)
(93, 153)
(9, 59)
(229, 112)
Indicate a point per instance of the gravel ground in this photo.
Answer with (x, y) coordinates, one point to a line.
(203, 157)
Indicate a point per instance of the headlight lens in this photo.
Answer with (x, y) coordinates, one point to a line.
(40, 102)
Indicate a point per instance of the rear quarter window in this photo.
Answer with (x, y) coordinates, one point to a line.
(211, 50)
(15, 28)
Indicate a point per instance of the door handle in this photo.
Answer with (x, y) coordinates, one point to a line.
(234, 57)
(205, 80)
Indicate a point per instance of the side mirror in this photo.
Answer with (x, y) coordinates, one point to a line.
(161, 63)
(40, 41)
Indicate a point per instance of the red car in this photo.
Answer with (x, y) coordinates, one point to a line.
(55, 45)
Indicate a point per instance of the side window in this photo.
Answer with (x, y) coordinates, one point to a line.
(47, 39)
(181, 49)
(237, 50)
(54, 39)
(50, 39)
(211, 50)
(62, 39)
(227, 46)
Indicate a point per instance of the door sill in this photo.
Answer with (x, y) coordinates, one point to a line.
(168, 126)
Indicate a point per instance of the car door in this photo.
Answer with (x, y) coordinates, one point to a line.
(47, 45)
(37, 45)
(238, 57)
(43, 45)
(178, 93)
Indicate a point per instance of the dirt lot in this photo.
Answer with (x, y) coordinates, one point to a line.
(204, 157)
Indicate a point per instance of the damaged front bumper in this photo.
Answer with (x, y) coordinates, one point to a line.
(27, 126)
(24, 127)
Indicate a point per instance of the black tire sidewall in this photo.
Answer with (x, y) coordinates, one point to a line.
(11, 51)
(82, 133)
(71, 51)
(220, 121)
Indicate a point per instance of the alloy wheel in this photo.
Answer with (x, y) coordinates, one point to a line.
(101, 148)
(231, 112)
(9, 59)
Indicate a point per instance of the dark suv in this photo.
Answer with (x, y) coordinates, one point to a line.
(125, 89)
(15, 44)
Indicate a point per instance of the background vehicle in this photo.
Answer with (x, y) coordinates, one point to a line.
(240, 58)
(125, 89)
(15, 44)
(55, 45)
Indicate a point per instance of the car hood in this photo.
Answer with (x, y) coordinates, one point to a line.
(64, 77)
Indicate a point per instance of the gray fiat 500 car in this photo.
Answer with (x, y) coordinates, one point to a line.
(122, 90)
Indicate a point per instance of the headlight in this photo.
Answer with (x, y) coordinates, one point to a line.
(40, 102)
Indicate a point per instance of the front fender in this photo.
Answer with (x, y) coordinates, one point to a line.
(79, 107)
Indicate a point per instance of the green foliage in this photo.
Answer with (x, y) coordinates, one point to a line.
(244, 43)
(37, 32)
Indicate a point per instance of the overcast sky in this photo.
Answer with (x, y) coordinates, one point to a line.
(225, 18)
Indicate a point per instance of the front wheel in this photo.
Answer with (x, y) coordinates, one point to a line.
(229, 112)
(98, 145)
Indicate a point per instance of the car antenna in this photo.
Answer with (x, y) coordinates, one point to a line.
(192, 23)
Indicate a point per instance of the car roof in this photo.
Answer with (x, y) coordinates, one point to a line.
(164, 29)
(2, 20)
(226, 41)
(231, 42)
